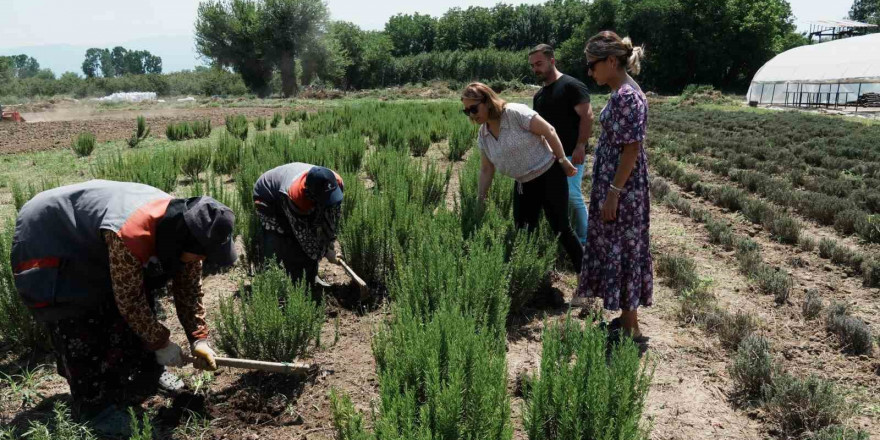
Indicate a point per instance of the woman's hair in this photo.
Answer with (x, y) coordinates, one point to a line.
(607, 44)
(483, 93)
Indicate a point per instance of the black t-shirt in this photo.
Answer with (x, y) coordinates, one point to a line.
(555, 103)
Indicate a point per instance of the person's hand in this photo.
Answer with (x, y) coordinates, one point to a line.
(609, 208)
(579, 155)
(170, 355)
(331, 256)
(205, 358)
(569, 169)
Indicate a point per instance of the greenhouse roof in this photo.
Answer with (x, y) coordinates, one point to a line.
(848, 60)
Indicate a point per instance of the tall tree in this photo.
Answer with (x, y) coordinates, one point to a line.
(117, 57)
(25, 66)
(152, 63)
(108, 68)
(292, 25)
(232, 34)
(411, 34)
(92, 62)
(867, 11)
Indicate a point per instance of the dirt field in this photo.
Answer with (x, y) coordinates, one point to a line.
(690, 394)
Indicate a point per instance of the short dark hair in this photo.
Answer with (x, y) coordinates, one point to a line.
(545, 49)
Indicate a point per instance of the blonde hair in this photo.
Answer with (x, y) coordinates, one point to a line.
(483, 93)
(607, 44)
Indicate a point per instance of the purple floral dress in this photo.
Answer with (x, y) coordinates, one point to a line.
(617, 265)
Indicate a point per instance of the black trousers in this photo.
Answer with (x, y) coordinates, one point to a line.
(286, 251)
(548, 192)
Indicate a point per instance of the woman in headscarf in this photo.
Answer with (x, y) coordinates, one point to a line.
(299, 206)
(87, 259)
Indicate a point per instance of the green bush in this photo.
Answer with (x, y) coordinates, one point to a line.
(201, 129)
(583, 391)
(276, 119)
(804, 405)
(418, 142)
(839, 433)
(827, 247)
(237, 126)
(871, 272)
(179, 131)
(84, 144)
(786, 229)
(18, 329)
(60, 427)
(752, 368)
(194, 161)
(530, 261)
(774, 282)
(461, 139)
(806, 243)
(260, 123)
(812, 306)
(732, 329)
(140, 132)
(276, 321)
(854, 335)
(227, 154)
(157, 168)
(680, 272)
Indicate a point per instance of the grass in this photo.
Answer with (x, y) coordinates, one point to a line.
(140, 132)
(84, 144)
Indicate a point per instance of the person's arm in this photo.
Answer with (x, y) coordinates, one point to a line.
(487, 173)
(585, 131)
(630, 136)
(127, 279)
(186, 289)
(541, 127)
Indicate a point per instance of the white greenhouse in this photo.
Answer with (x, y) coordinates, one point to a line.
(839, 73)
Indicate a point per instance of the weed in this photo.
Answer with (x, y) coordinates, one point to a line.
(237, 126)
(60, 427)
(839, 433)
(276, 119)
(732, 329)
(84, 144)
(142, 430)
(260, 123)
(806, 243)
(195, 160)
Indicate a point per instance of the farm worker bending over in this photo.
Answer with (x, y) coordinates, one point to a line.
(513, 139)
(87, 260)
(299, 206)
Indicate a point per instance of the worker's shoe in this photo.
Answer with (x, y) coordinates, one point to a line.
(111, 422)
(321, 283)
(170, 383)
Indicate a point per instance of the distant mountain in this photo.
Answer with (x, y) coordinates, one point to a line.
(177, 52)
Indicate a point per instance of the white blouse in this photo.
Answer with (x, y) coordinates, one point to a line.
(517, 152)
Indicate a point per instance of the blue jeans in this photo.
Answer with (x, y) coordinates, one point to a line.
(576, 205)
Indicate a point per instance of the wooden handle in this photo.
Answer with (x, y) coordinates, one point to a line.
(295, 368)
(351, 273)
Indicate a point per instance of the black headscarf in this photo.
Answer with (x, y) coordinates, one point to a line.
(173, 238)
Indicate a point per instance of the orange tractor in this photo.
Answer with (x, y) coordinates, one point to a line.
(10, 115)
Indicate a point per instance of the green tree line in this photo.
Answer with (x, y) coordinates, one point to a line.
(120, 61)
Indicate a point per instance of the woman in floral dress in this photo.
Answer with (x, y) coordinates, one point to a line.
(617, 264)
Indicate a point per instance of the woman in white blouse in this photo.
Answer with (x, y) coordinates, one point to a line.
(519, 143)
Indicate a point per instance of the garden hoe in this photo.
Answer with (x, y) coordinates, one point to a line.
(295, 368)
(365, 291)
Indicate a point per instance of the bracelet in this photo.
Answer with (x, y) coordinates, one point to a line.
(616, 189)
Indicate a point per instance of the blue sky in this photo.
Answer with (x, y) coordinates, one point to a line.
(168, 24)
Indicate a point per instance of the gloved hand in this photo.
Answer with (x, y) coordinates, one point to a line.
(170, 355)
(331, 255)
(205, 358)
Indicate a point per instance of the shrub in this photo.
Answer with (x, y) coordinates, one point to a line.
(18, 329)
(140, 132)
(84, 144)
(194, 161)
(157, 168)
(732, 329)
(60, 427)
(584, 391)
(774, 282)
(868, 227)
(530, 262)
(180, 131)
(854, 335)
(461, 139)
(276, 119)
(752, 368)
(748, 255)
(201, 129)
(21, 194)
(260, 123)
(786, 229)
(827, 247)
(839, 433)
(721, 233)
(680, 272)
(419, 142)
(804, 405)
(812, 305)
(659, 188)
(227, 154)
(697, 307)
(806, 243)
(845, 256)
(845, 221)
(237, 126)
(277, 321)
(871, 272)
(289, 117)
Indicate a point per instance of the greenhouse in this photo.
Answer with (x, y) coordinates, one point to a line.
(840, 73)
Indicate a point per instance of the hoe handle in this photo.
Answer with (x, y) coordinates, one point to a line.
(295, 368)
(360, 282)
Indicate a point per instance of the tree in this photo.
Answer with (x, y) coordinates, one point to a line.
(351, 40)
(92, 62)
(867, 11)
(25, 66)
(117, 59)
(411, 34)
(326, 60)
(292, 25)
(232, 34)
(152, 63)
(6, 69)
(133, 62)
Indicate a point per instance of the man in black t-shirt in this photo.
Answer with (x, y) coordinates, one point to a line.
(565, 103)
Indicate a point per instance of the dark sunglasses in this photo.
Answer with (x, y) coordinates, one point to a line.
(592, 64)
(472, 110)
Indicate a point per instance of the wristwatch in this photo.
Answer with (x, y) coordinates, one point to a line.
(561, 160)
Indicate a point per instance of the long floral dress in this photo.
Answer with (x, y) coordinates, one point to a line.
(617, 264)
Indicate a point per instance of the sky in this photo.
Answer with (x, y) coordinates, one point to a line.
(108, 23)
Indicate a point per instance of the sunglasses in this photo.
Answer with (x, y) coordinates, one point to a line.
(472, 110)
(592, 64)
